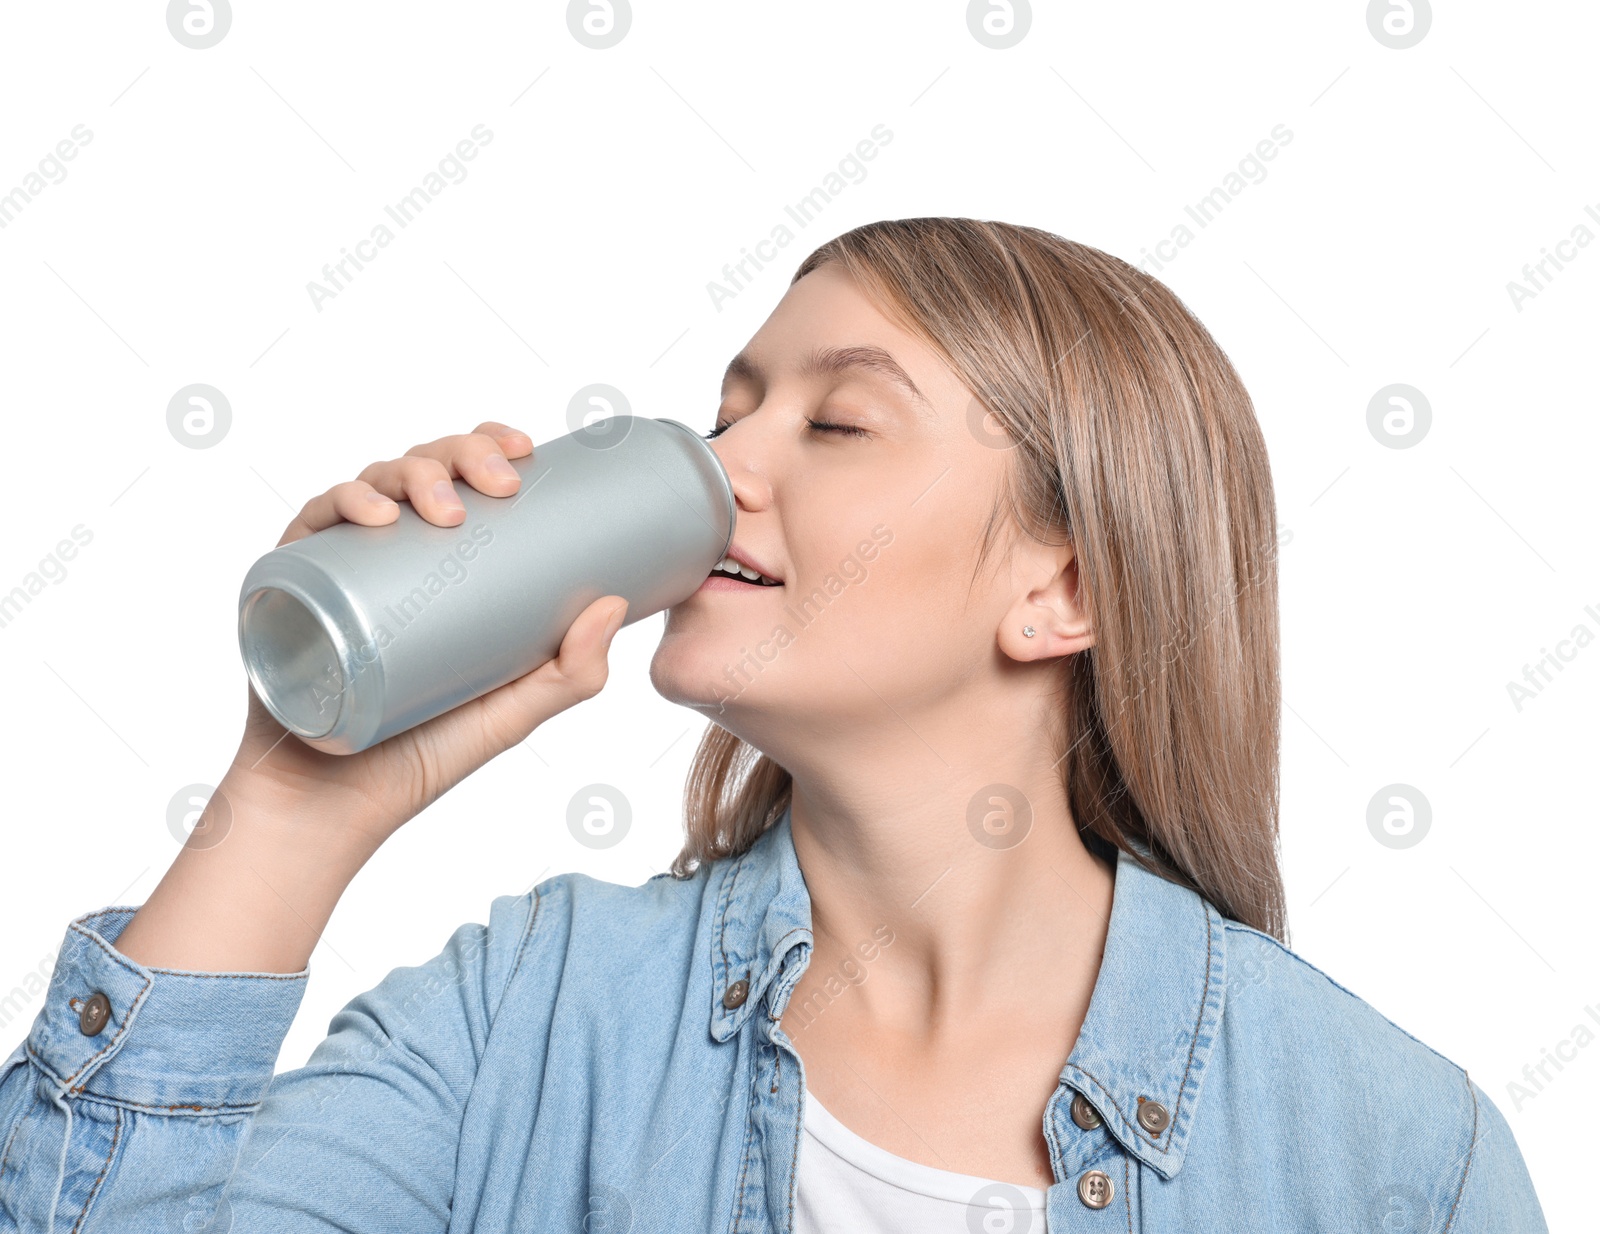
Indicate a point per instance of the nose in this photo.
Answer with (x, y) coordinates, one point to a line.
(751, 489)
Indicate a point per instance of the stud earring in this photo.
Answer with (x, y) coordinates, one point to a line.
(1028, 631)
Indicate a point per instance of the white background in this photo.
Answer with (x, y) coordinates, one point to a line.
(1416, 585)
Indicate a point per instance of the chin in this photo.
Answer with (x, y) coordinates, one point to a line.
(694, 671)
(687, 671)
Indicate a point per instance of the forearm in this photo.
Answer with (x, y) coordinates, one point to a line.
(138, 1126)
(253, 888)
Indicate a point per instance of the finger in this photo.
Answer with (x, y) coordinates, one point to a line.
(424, 482)
(370, 498)
(476, 458)
(352, 501)
(513, 441)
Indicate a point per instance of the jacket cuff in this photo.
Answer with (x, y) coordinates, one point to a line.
(173, 1041)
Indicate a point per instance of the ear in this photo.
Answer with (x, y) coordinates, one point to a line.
(1053, 608)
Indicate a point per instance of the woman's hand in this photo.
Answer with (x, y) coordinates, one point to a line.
(379, 789)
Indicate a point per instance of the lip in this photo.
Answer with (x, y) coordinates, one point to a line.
(740, 554)
(721, 582)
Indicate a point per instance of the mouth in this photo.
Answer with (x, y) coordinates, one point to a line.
(728, 573)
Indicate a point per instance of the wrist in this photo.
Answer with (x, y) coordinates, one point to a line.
(320, 826)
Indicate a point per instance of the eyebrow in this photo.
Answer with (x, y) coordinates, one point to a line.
(826, 361)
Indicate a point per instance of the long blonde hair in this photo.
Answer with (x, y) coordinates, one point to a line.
(1132, 436)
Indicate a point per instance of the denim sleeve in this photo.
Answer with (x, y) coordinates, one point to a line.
(1497, 1196)
(170, 1118)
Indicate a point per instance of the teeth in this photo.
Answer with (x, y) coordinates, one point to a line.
(732, 568)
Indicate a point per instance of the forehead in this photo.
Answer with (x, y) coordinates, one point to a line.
(826, 325)
(821, 361)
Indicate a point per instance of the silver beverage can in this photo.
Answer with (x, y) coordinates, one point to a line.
(355, 633)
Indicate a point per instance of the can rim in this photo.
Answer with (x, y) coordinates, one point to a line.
(330, 628)
(721, 471)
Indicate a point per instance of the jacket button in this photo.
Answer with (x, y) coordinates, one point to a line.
(1152, 1116)
(1084, 1114)
(1095, 1189)
(95, 1014)
(736, 993)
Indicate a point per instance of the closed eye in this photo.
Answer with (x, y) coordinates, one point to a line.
(821, 426)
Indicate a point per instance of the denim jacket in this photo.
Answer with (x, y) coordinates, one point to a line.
(609, 1058)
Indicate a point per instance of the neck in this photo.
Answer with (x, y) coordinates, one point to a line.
(976, 872)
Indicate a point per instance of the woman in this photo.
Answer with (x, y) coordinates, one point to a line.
(978, 925)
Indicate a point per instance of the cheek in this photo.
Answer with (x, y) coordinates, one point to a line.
(900, 637)
(905, 589)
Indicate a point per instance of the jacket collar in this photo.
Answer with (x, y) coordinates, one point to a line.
(1155, 1013)
(763, 913)
(1153, 1017)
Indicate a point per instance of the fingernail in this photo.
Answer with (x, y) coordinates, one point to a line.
(447, 495)
(377, 498)
(497, 465)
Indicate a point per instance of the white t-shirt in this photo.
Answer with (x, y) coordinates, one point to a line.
(848, 1185)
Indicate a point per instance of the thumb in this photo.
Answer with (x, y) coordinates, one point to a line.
(576, 672)
(475, 732)
(581, 662)
(614, 623)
